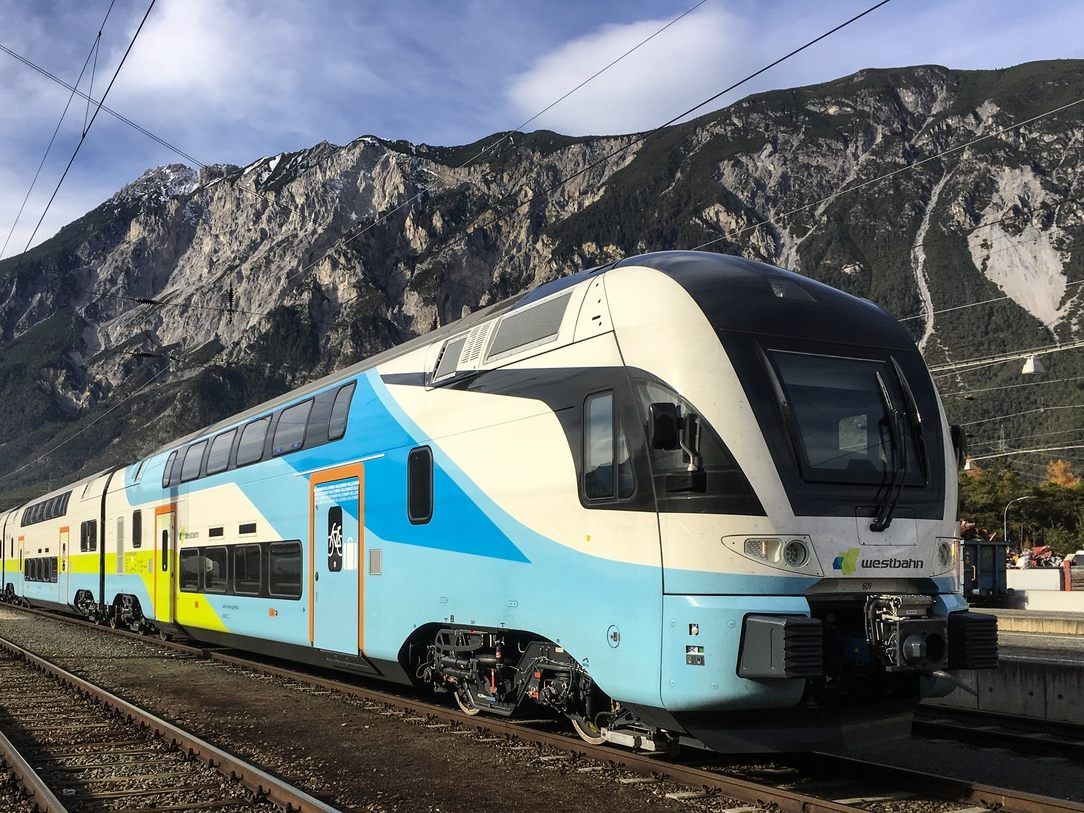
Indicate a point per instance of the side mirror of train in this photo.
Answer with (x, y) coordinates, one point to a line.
(664, 426)
(959, 443)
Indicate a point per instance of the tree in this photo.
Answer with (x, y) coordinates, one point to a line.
(1060, 473)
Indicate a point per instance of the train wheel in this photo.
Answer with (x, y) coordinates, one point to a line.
(462, 699)
(588, 731)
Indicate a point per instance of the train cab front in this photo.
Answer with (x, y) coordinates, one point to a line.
(807, 498)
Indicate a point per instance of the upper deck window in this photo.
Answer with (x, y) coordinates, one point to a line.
(336, 427)
(193, 458)
(290, 431)
(219, 457)
(529, 327)
(250, 448)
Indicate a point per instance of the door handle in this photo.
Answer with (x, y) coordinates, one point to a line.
(316, 577)
(974, 573)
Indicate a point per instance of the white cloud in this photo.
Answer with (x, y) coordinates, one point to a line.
(679, 67)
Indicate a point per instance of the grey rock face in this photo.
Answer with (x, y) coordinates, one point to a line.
(336, 252)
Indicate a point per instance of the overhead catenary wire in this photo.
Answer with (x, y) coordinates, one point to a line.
(890, 174)
(56, 130)
(1079, 429)
(86, 129)
(1019, 414)
(467, 232)
(1040, 383)
(1024, 451)
(143, 300)
(977, 362)
(491, 146)
(498, 141)
(83, 429)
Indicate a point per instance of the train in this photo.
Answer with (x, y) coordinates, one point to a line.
(680, 498)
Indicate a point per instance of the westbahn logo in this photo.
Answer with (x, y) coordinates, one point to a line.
(846, 561)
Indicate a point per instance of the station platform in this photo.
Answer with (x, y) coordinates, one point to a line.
(1041, 670)
(1037, 621)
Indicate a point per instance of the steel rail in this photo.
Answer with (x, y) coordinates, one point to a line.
(37, 792)
(785, 801)
(987, 796)
(261, 783)
(940, 786)
(1020, 734)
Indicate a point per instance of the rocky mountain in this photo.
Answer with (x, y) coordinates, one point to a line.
(189, 295)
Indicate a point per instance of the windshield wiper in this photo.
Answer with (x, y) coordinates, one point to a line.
(914, 419)
(883, 510)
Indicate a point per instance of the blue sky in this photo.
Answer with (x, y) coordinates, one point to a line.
(231, 81)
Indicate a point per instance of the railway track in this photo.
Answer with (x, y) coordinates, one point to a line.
(72, 746)
(1040, 738)
(813, 783)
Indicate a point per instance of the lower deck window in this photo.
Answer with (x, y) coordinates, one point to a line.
(259, 569)
(285, 571)
(246, 569)
(188, 576)
(215, 569)
(40, 569)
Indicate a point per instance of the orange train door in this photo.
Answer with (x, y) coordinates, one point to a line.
(162, 564)
(336, 552)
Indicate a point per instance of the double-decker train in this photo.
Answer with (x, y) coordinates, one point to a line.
(680, 497)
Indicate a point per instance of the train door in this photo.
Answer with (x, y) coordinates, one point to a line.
(336, 547)
(64, 565)
(20, 574)
(162, 564)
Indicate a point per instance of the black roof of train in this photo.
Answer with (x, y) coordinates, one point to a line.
(749, 296)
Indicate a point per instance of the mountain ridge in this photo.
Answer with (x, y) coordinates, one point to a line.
(75, 337)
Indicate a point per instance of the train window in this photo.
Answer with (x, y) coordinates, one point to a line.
(838, 414)
(218, 532)
(137, 528)
(139, 471)
(250, 449)
(193, 459)
(167, 472)
(246, 528)
(336, 428)
(219, 458)
(88, 536)
(215, 570)
(188, 577)
(285, 571)
(420, 485)
(246, 570)
(165, 550)
(449, 358)
(290, 431)
(598, 446)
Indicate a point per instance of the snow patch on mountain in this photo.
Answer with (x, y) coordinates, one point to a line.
(1025, 264)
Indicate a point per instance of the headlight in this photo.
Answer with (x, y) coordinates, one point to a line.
(795, 553)
(791, 553)
(763, 548)
(946, 554)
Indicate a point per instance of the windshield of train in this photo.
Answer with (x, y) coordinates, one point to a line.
(848, 417)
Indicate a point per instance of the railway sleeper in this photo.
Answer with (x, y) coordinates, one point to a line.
(496, 671)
